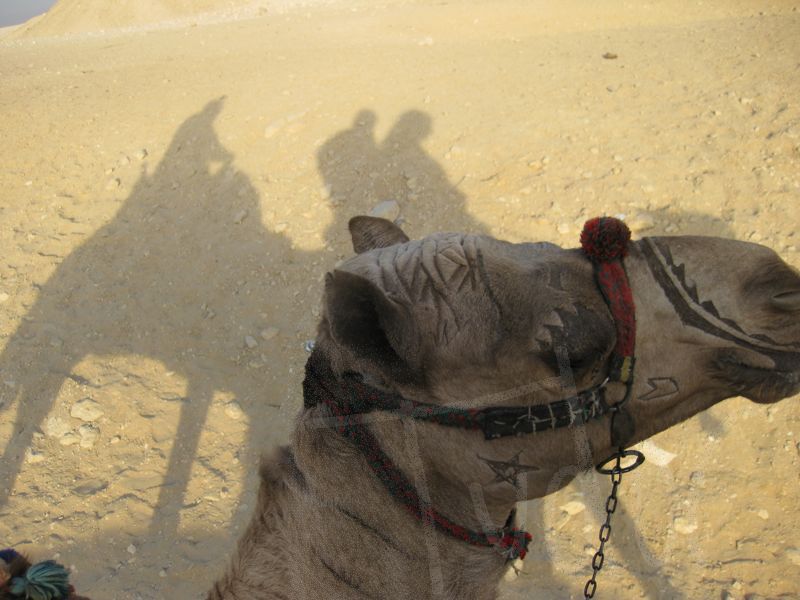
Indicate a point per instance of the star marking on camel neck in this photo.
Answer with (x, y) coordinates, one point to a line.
(507, 470)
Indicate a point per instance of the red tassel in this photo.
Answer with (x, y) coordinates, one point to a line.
(604, 239)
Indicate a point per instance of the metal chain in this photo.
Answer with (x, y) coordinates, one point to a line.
(605, 529)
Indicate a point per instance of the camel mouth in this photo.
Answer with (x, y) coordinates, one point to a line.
(758, 377)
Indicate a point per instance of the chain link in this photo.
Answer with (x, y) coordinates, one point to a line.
(605, 529)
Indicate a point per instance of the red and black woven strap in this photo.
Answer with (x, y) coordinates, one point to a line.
(494, 421)
(345, 399)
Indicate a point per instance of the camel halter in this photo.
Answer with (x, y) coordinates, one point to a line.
(604, 241)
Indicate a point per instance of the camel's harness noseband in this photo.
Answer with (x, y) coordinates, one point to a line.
(604, 242)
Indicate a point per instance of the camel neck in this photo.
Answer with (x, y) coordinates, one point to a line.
(321, 386)
(366, 544)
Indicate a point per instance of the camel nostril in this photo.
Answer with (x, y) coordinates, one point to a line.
(787, 300)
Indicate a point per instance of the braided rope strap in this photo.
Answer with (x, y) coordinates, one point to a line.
(604, 241)
(344, 399)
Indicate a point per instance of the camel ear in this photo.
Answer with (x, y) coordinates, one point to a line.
(363, 319)
(369, 233)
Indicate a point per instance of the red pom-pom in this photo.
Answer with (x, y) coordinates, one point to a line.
(604, 239)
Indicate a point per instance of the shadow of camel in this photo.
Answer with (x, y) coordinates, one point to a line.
(171, 277)
(179, 295)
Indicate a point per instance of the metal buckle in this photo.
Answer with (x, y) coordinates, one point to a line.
(618, 468)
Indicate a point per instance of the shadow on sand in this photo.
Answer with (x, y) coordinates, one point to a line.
(186, 261)
(181, 272)
(171, 277)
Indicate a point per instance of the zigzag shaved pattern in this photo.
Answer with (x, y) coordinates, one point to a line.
(706, 306)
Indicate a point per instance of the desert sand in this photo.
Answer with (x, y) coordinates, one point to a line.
(175, 183)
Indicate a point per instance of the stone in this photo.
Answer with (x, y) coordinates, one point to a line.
(86, 410)
(234, 410)
(762, 514)
(684, 526)
(250, 341)
(141, 154)
(240, 216)
(793, 554)
(113, 184)
(89, 434)
(4, 297)
(573, 507)
(160, 431)
(131, 549)
(269, 333)
(656, 454)
(55, 427)
(641, 222)
(90, 487)
(388, 209)
(69, 439)
(33, 457)
(513, 570)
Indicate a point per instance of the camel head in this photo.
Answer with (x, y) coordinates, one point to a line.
(471, 321)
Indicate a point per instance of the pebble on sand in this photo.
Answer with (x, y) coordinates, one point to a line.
(641, 222)
(90, 487)
(69, 439)
(573, 507)
(269, 333)
(55, 427)
(33, 456)
(89, 434)
(793, 554)
(234, 410)
(388, 209)
(86, 410)
(4, 297)
(684, 526)
(657, 455)
(250, 341)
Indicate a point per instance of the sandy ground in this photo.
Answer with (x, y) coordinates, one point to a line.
(170, 198)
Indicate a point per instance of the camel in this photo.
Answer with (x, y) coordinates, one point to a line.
(390, 490)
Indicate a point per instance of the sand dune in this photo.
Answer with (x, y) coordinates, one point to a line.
(91, 16)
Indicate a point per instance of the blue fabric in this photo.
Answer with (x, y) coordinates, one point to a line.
(8, 554)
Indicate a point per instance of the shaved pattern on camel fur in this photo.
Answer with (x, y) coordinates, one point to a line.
(475, 322)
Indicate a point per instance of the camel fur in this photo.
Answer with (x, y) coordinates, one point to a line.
(467, 320)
